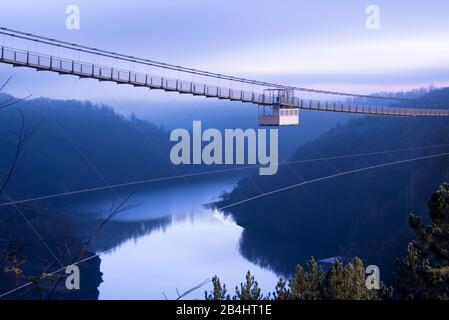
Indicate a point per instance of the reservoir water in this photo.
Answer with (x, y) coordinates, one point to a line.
(169, 243)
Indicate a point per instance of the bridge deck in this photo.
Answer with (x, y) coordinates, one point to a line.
(42, 62)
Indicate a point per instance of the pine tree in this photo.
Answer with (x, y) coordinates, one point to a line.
(424, 272)
(336, 286)
(282, 292)
(358, 289)
(249, 290)
(307, 285)
(315, 278)
(218, 292)
(298, 285)
(348, 282)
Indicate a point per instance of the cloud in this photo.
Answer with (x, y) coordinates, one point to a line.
(377, 56)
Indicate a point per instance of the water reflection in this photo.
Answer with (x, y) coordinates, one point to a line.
(178, 258)
(170, 242)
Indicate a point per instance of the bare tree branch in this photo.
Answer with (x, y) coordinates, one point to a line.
(123, 206)
(22, 136)
(202, 284)
(18, 151)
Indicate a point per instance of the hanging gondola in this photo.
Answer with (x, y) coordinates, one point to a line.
(280, 108)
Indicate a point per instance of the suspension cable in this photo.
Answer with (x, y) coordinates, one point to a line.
(264, 195)
(203, 173)
(339, 174)
(130, 58)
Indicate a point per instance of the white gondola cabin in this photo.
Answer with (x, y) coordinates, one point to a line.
(280, 108)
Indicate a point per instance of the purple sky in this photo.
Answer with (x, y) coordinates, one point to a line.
(321, 44)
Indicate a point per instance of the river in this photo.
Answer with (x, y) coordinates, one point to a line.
(170, 242)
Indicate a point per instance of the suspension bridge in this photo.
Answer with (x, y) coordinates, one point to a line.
(282, 101)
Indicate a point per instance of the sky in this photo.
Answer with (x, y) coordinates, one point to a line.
(319, 44)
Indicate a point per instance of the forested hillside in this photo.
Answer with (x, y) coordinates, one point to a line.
(362, 214)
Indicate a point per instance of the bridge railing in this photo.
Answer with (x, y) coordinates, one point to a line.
(356, 108)
(84, 69)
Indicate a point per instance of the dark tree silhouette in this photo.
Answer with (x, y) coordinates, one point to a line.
(424, 272)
